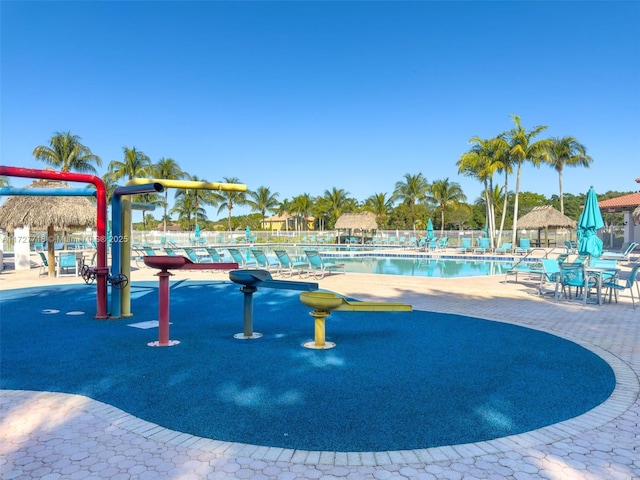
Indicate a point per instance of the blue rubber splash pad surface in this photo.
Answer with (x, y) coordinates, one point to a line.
(394, 381)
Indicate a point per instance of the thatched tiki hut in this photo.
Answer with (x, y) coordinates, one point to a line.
(47, 212)
(545, 217)
(364, 221)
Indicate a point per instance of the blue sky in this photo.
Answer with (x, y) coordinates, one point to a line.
(304, 96)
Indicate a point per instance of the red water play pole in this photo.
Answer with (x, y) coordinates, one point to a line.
(101, 221)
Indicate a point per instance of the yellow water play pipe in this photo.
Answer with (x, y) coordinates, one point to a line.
(125, 267)
(324, 303)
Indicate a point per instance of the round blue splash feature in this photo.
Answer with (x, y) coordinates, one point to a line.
(395, 381)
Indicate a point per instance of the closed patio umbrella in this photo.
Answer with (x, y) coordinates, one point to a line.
(429, 229)
(589, 223)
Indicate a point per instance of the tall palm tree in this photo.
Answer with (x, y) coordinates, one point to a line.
(337, 202)
(412, 190)
(135, 164)
(284, 207)
(4, 182)
(478, 163)
(227, 199)
(380, 206)
(197, 198)
(566, 152)
(444, 193)
(302, 206)
(66, 153)
(186, 208)
(523, 149)
(263, 201)
(167, 169)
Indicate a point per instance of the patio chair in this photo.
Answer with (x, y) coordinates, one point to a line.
(288, 266)
(465, 245)
(442, 244)
(263, 261)
(548, 271)
(571, 246)
(318, 267)
(44, 264)
(573, 275)
(524, 247)
(483, 246)
(504, 248)
(615, 285)
(68, 264)
(240, 259)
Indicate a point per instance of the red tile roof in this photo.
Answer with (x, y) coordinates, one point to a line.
(631, 201)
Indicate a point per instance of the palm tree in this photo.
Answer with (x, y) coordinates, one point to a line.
(444, 193)
(195, 198)
(67, 153)
(228, 199)
(167, 169)
(135, 164)
(566, 152)
(186, 208)
(413, 190)
(478, 162)
(262, 200)
(522, 148)
(302, 206)
(337, 202)
(380, 206)
(4, 182)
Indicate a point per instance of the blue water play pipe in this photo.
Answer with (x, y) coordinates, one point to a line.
(49, 192)
(118, 236)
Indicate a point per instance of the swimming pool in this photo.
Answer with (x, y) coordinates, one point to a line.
(407, 264)
(424, 267)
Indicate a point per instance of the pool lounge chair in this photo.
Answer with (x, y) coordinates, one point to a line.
(263, 261)
(504, 248)
(214, 254)
(524, 247)
(622, 256)
(442, 244)
(483, 246)
(465, 245)
(288, 267)
(240, 259)
(318, 267)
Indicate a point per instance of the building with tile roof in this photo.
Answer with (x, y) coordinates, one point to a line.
(625, 204)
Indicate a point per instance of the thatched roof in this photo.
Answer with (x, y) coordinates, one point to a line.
(545, 217)
(362, 221)
(40, 212)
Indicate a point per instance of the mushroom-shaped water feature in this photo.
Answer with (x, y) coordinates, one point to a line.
(164, 263)
(252, 279)
(324, 303)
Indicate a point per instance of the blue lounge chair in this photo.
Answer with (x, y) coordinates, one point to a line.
(465, 245)
(263, 261)
(524, 247)
(214, 254)
(288, 266)
(623, 256)
(505, 248)
(240, 259)
(318, 267)
(483, 246)
(67, 264)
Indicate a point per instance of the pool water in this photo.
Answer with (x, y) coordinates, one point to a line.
(424, 267)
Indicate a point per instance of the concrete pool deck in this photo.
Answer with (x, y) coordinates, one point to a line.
(51, 435)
